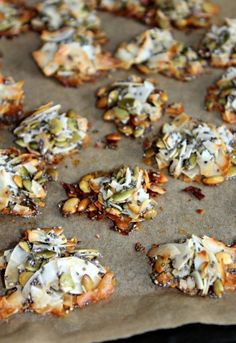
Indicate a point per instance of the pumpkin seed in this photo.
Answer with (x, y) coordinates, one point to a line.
(126, 130)
(72, 124)
(28, 185)
(66, 282)
(32, 265)
(83, 205)
(75, 138)
(23, 171)
(122, 196)
(139, 131)
(18, 181)
(55, 126)
(160, 144)
(231, 172)
(213, 180)
(70, 206)
(102, 102)
(34, 145)
(45, 254)
(24, 277)
(24, 245)
(84, 186)
(109, 115)
(150, 214)
(120, 113)
(218, 288)
(126, 103)
(113, 97)
(72, 114)
(38, 175)
(21, 143)
(87, 283)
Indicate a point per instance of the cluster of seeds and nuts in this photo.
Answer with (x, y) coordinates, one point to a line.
(15, 17)
(123, 196)
(51, 134)
(221, 96)
(133, 105)
(53, 15)
(48, 273)
(219, 44)
(181, 14)
(11, 99)
(194, 151)
(164, 13)
(73, 56)
(156, 50)
(23, 179)
(199, 266)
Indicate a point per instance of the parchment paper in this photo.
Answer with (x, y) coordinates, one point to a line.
(137, 305)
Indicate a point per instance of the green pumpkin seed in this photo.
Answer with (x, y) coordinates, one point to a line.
(45, 254)
(23, 171)
(218, 288)
(139, 131)
(192, 161)
(72, 114)
(24, 277)
(113, 97)
(28, 185)
(231, 172)
(24, 245)
(122, 196)
(21, 143)
(75, 138)
(72, 124)
(32, 266)
(87, 283)
(160, 144)
(38, 175)
(34, 146)
(120, 113)
(55, 126)
(66, 282)
(126, 130)
(126, 103)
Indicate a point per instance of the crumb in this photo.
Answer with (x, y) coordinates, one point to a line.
(200, 211)
(195, 191)
(140, 248)
(97, 236)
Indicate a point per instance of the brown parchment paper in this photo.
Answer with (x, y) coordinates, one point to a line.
(137, 306)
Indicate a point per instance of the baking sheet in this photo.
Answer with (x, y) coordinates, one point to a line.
(137, 305)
